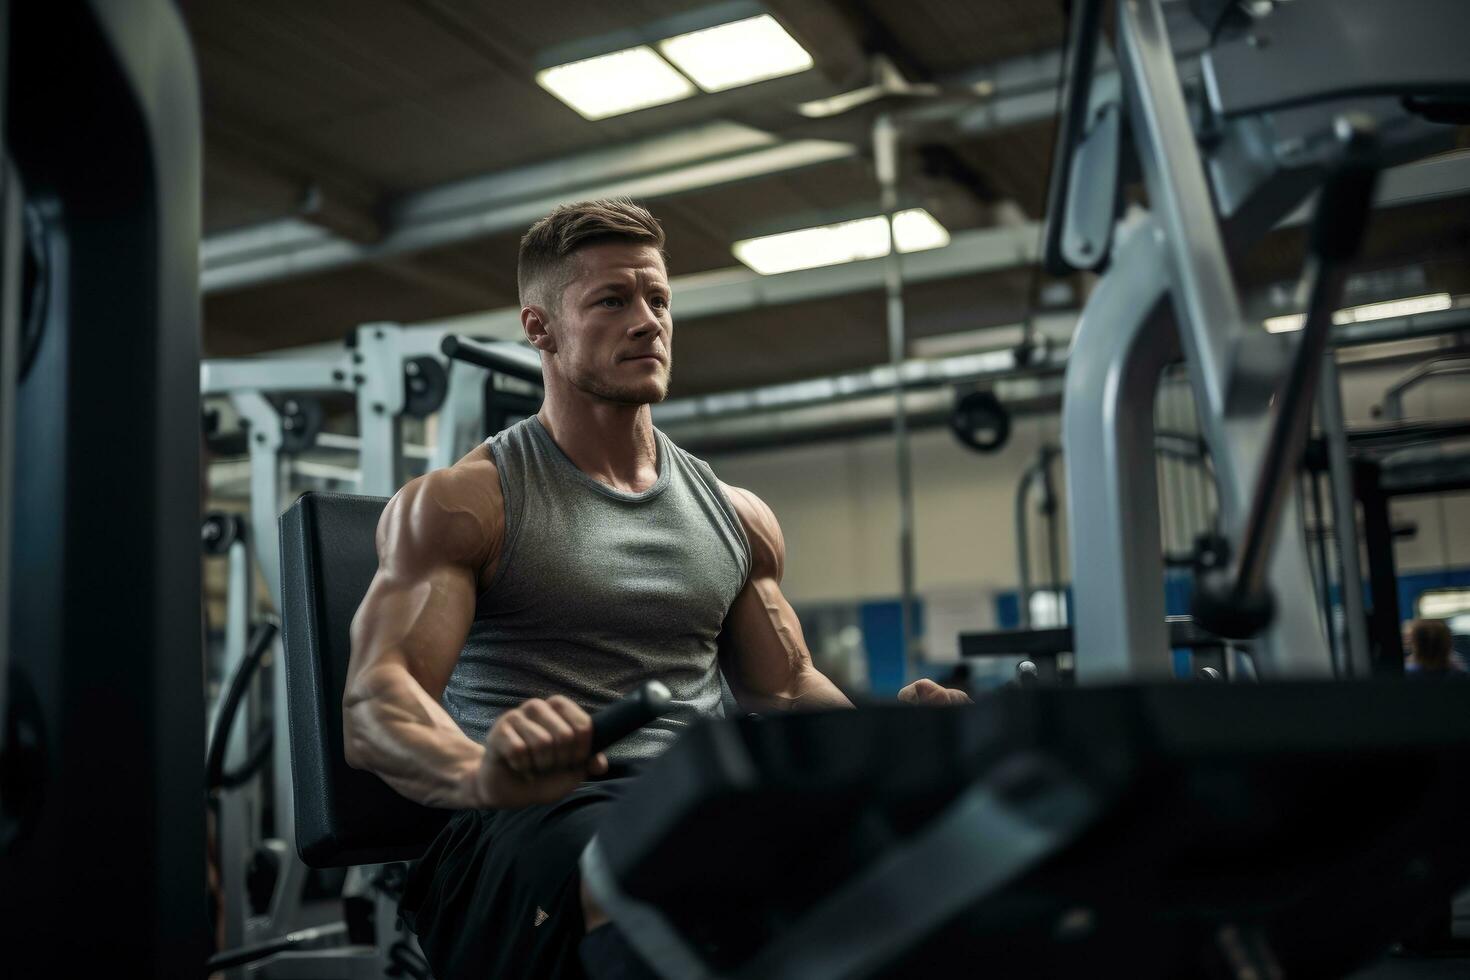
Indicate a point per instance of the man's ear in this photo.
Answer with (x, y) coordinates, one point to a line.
(536, 324)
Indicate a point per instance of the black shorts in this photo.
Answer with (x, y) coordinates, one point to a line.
(497, 894)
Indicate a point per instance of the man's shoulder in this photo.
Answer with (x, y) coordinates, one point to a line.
(457, 511)
(762, 530)
(473, 477)
(752, 509)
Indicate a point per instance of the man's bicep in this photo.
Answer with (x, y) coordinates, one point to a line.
(420, 604)
(417, 621)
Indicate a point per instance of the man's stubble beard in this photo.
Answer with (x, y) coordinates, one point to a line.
(623, 394)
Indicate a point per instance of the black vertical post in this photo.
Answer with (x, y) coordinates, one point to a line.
(1383, 622)
(1312, 473)
(102, 121)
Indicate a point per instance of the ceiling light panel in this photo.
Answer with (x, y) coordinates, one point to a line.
(611, 84)
(915, 230)
(847, 241)
(738, 53)
(1408, 306)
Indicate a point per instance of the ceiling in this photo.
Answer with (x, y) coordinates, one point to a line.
(337, 113)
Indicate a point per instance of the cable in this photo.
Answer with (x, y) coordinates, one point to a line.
(1049, 511)
(1033, 281)
(215, 776)
(1319, 514)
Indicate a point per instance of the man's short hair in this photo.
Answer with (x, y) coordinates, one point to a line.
(547, 261)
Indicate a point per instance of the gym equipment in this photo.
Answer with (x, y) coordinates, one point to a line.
(1224, 777)
(512, 384)
(617, 721)
(425, 385)
(394, 372)
(346, 816)
(913, 843)
(301, 423)
(1249, 168)
(1147, 831)
(259, 888)
(102, 686)
(1038, 474)
(1172, 448)
(220, 531)
(1380, 463)
(216, 776)
(981, 422)
(1043, 647)
(1235, 601)
(1393, 399)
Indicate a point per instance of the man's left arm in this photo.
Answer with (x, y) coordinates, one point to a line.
(762, 650)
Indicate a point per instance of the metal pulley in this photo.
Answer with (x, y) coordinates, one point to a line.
(981, 422)
(425, 386)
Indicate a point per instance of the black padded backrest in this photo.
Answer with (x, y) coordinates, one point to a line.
(344, 816)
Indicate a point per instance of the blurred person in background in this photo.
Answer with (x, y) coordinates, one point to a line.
(1428, 648)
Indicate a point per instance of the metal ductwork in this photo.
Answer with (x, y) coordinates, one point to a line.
(860, 403)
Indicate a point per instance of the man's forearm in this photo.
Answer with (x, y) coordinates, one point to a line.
(391, 727)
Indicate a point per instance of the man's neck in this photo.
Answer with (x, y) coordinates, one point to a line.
(612, 443)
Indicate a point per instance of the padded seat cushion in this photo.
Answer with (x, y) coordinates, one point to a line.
(344, 816)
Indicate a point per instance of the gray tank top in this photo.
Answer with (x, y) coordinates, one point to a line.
(598, 590)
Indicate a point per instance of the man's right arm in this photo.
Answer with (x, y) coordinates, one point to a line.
(435, 538)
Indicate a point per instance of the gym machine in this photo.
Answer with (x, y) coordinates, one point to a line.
(1379, 463)
(102, 836)
(1044, 652)
(1146, 827)
(1177, 452)
(393, 372)
(1269, 130)
(1126, 824)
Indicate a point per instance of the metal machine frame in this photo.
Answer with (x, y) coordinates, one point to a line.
(1179, 251)
(372, 367)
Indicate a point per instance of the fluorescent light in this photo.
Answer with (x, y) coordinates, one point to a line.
(848, 241)
(610, 84)
(916, 230)
(1287, 323)
(1442, 604)
(1394, 307)
(737, 53)
(1370, 311)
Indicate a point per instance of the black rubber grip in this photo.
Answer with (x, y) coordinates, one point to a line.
(619, 720)
(1346, 199)
(463, 349)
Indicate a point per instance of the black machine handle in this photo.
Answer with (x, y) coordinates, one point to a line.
(1234, 601)
(1081, 56)
(315, 937)
(621, 719)
(458, 348)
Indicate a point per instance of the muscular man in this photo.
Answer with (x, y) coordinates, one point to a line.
(547, 573)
